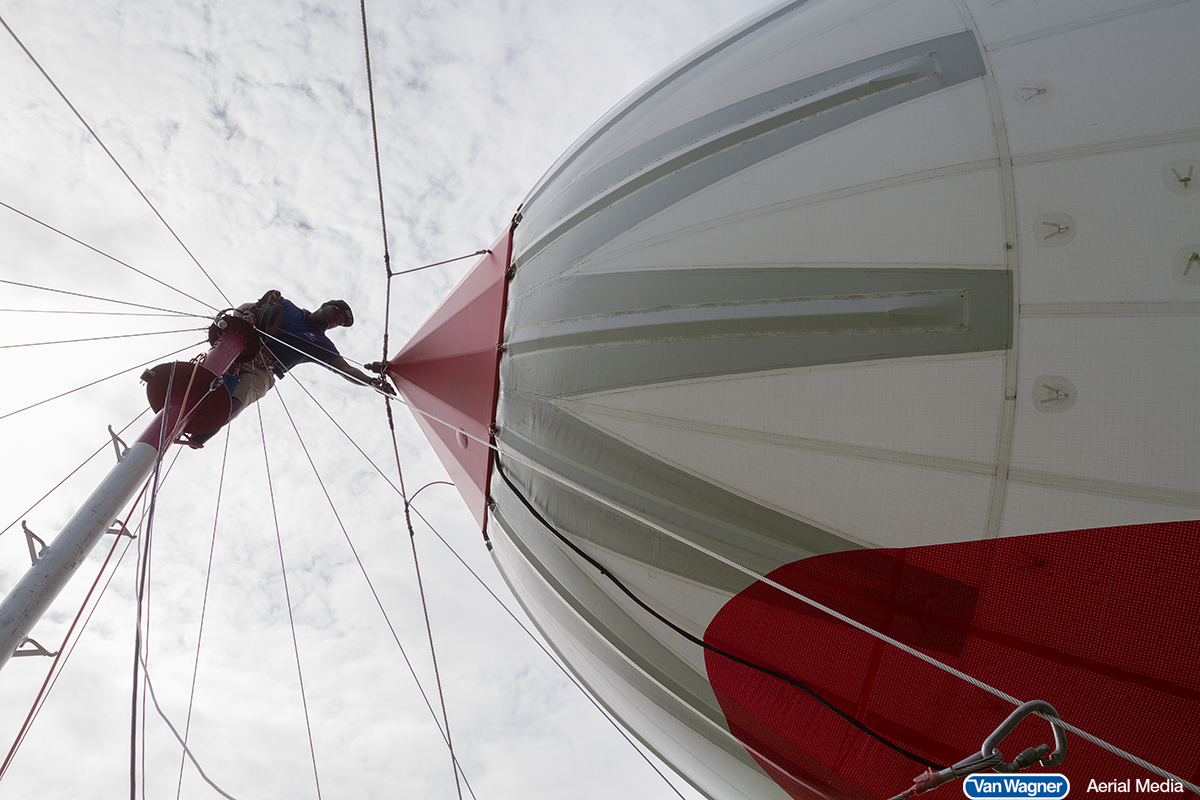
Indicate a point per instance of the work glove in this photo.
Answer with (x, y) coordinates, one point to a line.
(382, 384)
(376, 366)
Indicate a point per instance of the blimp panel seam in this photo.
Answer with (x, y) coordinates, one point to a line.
(641, 97)
(830, 101)
(501, 471)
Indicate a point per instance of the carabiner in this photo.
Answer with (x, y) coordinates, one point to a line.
(1027, 758)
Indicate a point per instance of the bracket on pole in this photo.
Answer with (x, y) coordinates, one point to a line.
(35, 650)
(30, 538)
(119, 446)
(120, 530)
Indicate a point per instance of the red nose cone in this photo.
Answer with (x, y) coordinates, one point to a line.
(450, 371)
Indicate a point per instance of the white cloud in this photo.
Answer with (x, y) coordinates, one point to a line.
(248, 128)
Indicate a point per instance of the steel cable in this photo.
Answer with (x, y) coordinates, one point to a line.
(1117, 751)
(103, 146)
(288, 597)
(100, 380)
(102, 299)
(98, 338)
(566, 672)
(106, 255)
(187, 726)
(448, 546)
(371, 585)
(387, 265)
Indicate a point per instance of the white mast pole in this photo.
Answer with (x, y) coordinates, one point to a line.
(42, 583)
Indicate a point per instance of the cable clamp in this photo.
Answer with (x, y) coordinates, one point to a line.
(35, 649)
(990, 757)
(30, 537)
(119, 446)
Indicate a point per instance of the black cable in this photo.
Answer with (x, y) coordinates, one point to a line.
(106, 255)
(79, 116)
(103, 299)
(700, 642)
(616, 725)
(99, 338)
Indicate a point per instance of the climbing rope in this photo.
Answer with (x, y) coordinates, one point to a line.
(387, 257)
(212, 548)
(288, 598)
(387, 265)
(67, 648)
(412, 538)
(142, 573)
(64, 653)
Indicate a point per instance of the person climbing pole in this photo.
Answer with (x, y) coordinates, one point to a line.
(291, 336)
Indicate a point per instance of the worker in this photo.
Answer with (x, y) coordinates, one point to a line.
(290, 335)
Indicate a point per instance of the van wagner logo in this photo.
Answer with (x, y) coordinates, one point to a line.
(1013, 786)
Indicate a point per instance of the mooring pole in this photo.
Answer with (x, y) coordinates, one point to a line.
(191, 399)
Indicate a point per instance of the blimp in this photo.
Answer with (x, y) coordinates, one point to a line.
(832, 405)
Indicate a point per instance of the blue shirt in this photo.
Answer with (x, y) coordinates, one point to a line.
(301, 341)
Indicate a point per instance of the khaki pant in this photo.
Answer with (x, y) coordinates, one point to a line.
(256, 380)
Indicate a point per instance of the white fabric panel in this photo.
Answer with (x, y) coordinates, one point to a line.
(873, 502)
(944, 407)
(950, 221)
(1000, 22)
(821, 36)
(1112, 81)
(1129, 227)
(945, 128)
(1030, 508)
(1135, 419)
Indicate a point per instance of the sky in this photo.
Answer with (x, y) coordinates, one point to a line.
(247, 126)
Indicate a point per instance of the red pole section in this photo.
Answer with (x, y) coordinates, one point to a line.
(188, 388)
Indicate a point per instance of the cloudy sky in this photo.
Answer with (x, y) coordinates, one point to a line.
(247, 126)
